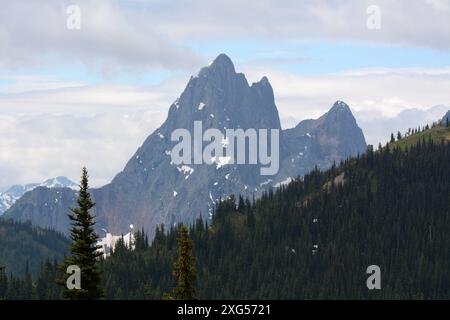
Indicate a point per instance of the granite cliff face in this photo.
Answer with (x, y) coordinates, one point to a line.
(152, 190)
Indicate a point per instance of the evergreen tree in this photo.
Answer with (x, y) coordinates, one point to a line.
(184, 269)
(84, 248)
(399, 135)
(140, 240)
(241, 204)
(148, 290)
(3, 283)
(46, 286)
(27, 285)
(392, 138)
(269, 251)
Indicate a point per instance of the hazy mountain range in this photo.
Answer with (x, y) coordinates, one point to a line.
(378, 128)
(11, 195)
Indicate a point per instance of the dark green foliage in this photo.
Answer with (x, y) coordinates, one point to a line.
(21, 242)
(46, 283)
(3, 283)
(44, 287)
(184, 269)
(84, 248)
(312, 239)
(140, 240)
(16, 288)
(315, 238)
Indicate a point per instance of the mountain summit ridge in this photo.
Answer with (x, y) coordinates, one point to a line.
(152, 190)
(14, 193)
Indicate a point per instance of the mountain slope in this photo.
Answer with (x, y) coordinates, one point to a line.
(331, 138)
(152, 190)
(10, 196)
(21, 242)
(316, 237)
(445, 118)
(436, 134)
(44, 207)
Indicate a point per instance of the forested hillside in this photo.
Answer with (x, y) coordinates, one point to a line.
(312, 239)
(315, 238)
(435, 133)
(22, 244)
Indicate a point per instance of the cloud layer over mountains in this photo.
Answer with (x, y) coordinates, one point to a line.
(47, 113)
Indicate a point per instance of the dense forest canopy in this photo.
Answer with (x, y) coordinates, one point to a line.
(312, 239)
(21, 242)
(315, 238)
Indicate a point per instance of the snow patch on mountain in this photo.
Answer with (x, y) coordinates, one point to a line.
(283, 183)
(201, 106)
(108, 243)
(221, 161)
(185, 169)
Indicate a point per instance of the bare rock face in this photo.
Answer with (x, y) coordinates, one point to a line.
(446, 118)
(152, 190)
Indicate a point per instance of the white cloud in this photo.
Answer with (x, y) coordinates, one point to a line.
(117, 36)
(57, 127)
(51, 127)
(36, 147)
(38, 94)
(111, 38)
(382, 91)
(27, 83)
(415, 23)
(378, 128)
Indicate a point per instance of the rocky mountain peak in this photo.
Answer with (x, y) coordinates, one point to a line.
(339, 113)
(340, 106)
(152, 189)
(222, 63)
(222, 98)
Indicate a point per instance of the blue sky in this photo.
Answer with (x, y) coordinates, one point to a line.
(323, 57)
(302, 57)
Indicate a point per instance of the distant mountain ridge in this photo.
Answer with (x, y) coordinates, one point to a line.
(378, 128)
(14, 193)
(151, 190)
